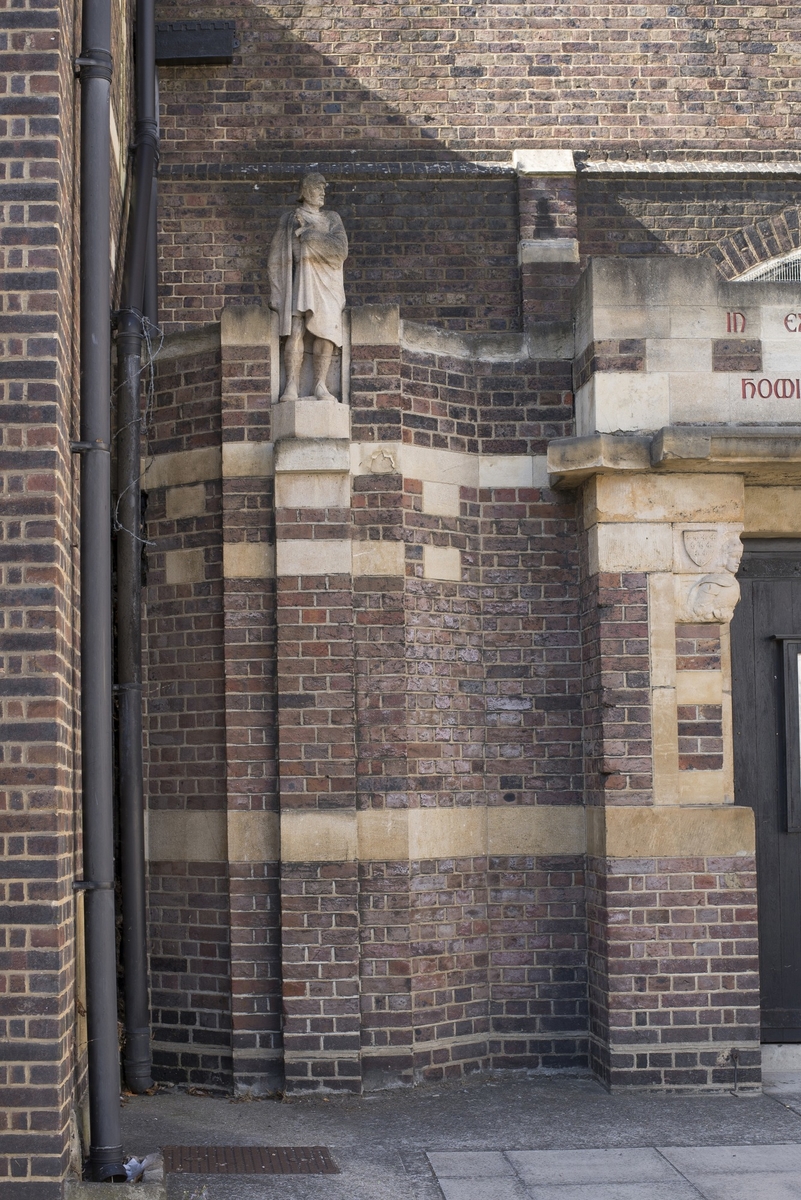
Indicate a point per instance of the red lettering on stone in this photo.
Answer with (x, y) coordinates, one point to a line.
(748, 383)
(735, 322)
(765, 383)
(791, 323)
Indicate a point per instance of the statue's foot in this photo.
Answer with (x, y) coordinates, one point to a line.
(322, 393)
(290, 393)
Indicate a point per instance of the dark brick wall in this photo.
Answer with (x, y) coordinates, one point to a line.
(444, 251)
(190, 973)
(625, 216)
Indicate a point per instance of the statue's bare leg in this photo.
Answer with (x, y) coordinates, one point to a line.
(322, 353)
(293, 359)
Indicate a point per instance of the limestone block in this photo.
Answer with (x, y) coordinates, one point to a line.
(447, 832)
(704, 547)
(306, 455)
(619, 401)
(701, 787)
(186, 836)
(183, 466)
(310, 419)
(665, 743)
(703, 321)
(185, 502)
(375, 325)
(324, 556)
(678, 354)
(378, 558)
(699, 687)
(185, 566)
(698, 401)
(664, 498)
(782, 357)
(383, 834)
(630, 547)
(442, 562)
(313, 490)
(245, 325)
(513, 471)
(625, 321)
(242, 460)
(676, 832)
(547, 250)
(536, 829)
(770, 511)
(248, 560)
(544, 162)
(439, 466)
(317, 836)
(765, 399)
(662, 630)
(441, 499)
(253, 836)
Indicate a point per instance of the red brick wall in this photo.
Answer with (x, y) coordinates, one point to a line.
(680, 988)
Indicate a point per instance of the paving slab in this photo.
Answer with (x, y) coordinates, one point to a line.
(540, 1167)
(680, 1190)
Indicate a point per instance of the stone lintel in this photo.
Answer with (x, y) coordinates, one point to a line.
(770, 454)
(548, 250)
(245, 325)
(544, 162)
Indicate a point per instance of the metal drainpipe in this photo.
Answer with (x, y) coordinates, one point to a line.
(130, 335)
(105, 1151)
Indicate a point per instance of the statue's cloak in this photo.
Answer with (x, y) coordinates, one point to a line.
(319, 291)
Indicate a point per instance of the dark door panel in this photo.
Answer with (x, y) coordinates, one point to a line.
(768, 615)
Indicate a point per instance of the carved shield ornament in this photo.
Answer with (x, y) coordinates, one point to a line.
(701, 545)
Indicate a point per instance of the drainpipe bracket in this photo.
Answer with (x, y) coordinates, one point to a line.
(94, 64)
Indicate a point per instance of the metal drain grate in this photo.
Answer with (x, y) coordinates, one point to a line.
(249, 1160)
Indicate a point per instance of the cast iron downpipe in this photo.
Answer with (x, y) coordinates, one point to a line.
(105, 1150)
(130, 336)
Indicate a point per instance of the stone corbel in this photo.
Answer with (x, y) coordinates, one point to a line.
(706, 559)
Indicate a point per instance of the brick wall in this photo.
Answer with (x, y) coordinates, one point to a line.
(184, 720)
(682, 985)
(454, 79)
(664, 216)
(442, 250)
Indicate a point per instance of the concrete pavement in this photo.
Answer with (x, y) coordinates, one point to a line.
(502, 1137)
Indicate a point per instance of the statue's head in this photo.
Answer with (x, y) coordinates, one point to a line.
(312, 188)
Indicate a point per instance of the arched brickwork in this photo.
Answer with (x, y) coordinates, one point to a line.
(757, 244)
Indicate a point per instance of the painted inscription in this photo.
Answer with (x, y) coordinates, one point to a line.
(781, 389)
(735, 322)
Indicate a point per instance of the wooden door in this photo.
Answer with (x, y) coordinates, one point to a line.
(767, 764)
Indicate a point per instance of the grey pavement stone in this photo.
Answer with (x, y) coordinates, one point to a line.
(764, 1186)
(680, 1190)
(483, 1189)
(542, 1167)
(708, 1160)
(470, 1164)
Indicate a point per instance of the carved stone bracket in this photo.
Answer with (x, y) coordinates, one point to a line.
(705, 563)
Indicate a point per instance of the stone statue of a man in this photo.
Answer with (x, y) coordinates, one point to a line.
(306, 283)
